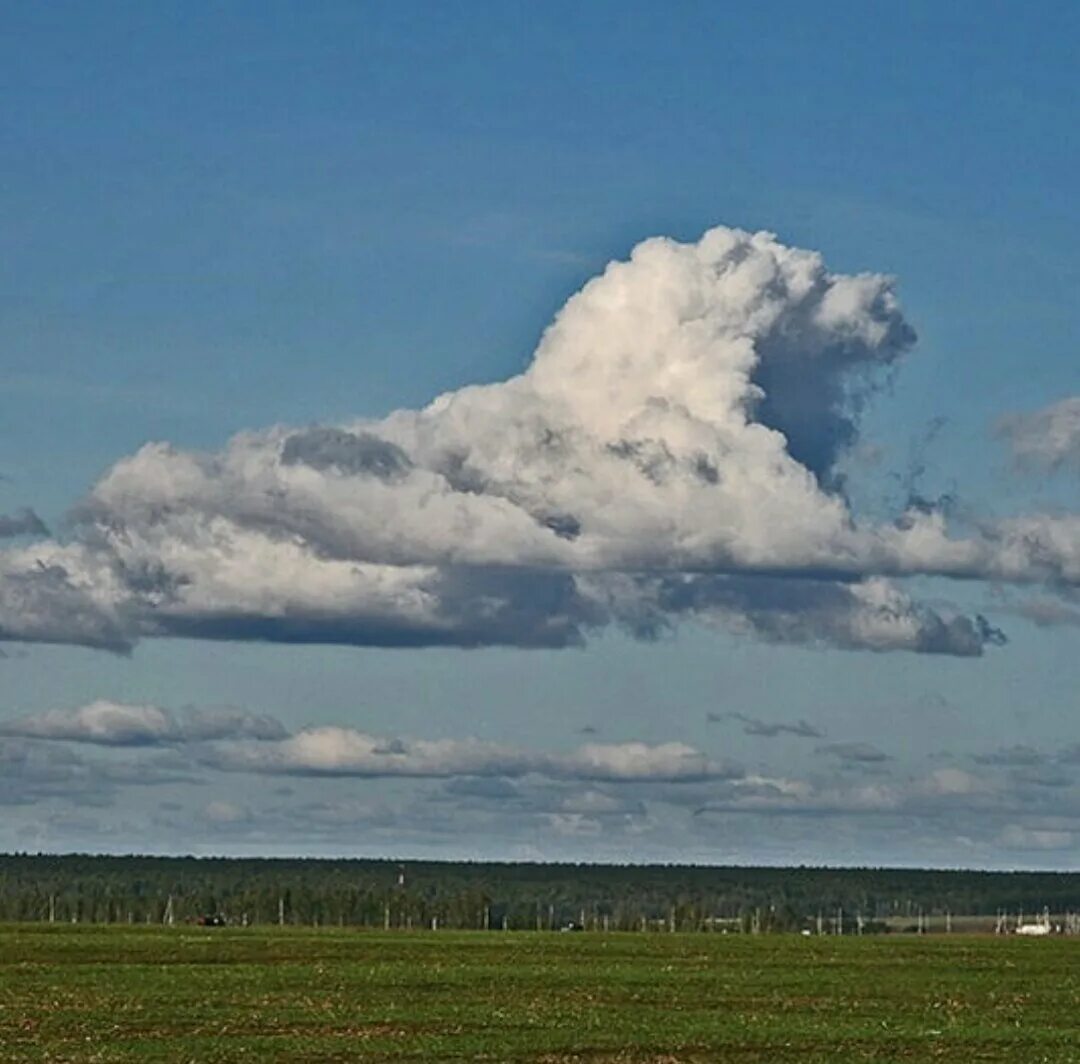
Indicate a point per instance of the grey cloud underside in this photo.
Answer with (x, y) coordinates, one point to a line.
(471, 607)
(41, 603)
(22, 523)
(35, 772)
(859, 753)
(346, 452)
(1019, 755)
(767, 729)
(668, 456)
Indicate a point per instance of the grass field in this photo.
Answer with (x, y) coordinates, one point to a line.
(190, 995)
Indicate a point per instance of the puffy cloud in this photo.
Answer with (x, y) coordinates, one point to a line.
(670, 453)
(638, 762)
(1047, 439)
(45, 601)
(337, 751)
(106, 723)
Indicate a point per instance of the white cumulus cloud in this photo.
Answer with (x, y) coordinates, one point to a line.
(107, 723)
(340, 751)
(669, 453)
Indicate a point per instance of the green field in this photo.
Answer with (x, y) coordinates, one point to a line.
(191, 995)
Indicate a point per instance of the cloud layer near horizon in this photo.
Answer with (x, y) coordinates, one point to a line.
(670, 453)
(237, 741)
(314, 786)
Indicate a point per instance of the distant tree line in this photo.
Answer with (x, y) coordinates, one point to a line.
(459, 895)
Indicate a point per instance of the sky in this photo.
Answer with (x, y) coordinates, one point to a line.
(624, 432)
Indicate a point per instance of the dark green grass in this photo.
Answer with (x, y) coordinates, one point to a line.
(179, 995)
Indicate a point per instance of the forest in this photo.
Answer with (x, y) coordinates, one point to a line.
(79, 888)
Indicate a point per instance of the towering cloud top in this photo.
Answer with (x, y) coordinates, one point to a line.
(670, 452)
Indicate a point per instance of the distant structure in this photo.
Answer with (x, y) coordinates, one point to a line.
(1040, 927)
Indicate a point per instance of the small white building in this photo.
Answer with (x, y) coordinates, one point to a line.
(1033, 929)
(1040, 927)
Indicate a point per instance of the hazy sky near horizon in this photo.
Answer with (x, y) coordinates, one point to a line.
(767, 550)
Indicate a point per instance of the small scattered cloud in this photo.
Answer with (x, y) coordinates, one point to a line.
(1047, 439)
(854, 753)
(107, 723)
(1043, 776)
(1020, 837)
(223, 812)
(489, 788)
(1048, 611)
(768, 729)
(1018, 755)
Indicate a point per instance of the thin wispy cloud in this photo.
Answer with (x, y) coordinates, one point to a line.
(1046, 440)
(768, 729)
(1017, 755)
(854, 753)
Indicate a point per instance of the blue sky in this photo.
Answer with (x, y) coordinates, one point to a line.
(226, 218)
